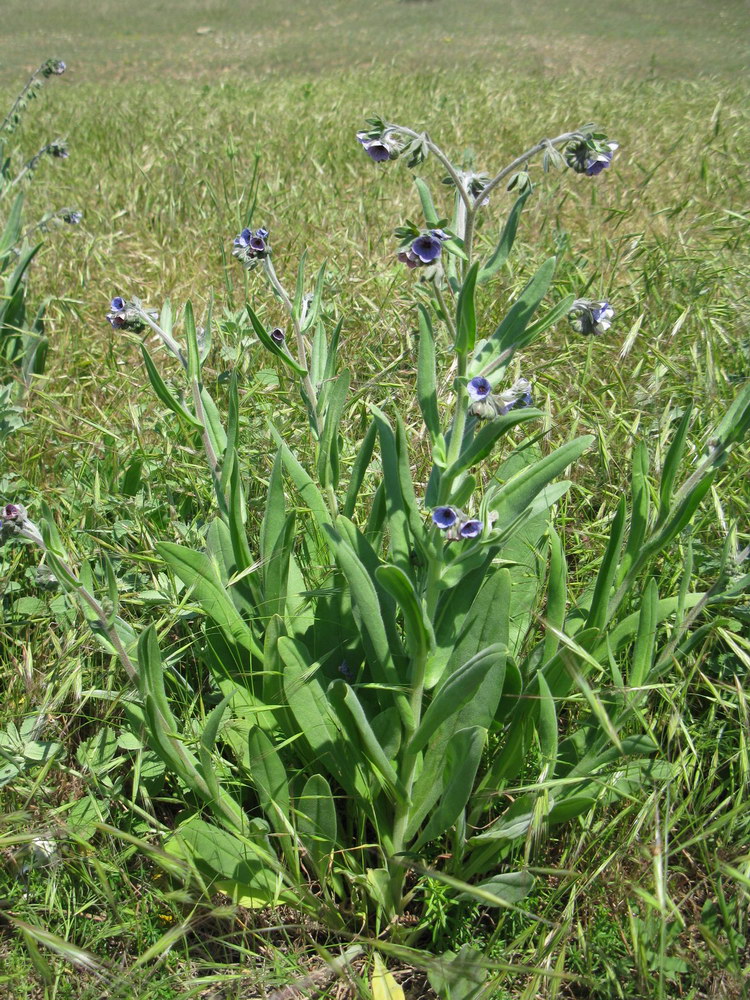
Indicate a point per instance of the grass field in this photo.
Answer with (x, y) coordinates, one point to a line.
(168, 127)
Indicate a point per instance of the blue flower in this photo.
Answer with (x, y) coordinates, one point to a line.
(590, 317)
(427, 248)
(377, 148)
(479, 388)
(72, 218)
(117, 303)
(251, 247)
(471, 529)
(444, 517)
(277, 336)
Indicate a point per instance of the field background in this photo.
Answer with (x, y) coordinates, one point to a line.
(166, 122)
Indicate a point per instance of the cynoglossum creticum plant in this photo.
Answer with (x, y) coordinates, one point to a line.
(385, 695)
(21, 344)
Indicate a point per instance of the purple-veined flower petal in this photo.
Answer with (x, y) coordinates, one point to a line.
(444, 517)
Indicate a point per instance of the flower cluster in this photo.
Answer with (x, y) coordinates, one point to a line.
(251, 247)
(58, 149)
(485, 405)
(124, 315)
(589, 154)
(379, 147)
(14, 521)
(589, 317)
(53, 67)
(72, 218)
(455, 524)
(425, 249)
(473, 182)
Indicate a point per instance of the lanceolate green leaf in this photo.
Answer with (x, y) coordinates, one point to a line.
(343, 694)
(196, 571)
(510, 334)
(426, 378)
(368, 615)
(164, 394)
(480, 446)
(317, 825)
(359, 469)
(328, 448)
(304, 485)
(416, 624)
(431, 217)
(466, 318)
(459, 689)
(597, 616)
(643, 654)
(191, 335)
(463, 754)
(672, 464)
(271, 345)
(503, 248)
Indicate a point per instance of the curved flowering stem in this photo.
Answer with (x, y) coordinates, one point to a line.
(440, 155)
(480, 199)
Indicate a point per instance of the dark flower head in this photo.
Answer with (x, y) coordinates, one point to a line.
(377, 148)
(346, 671)
(250, 248)
(58, 149)
(444, 517)
(277, 336)
(11, 511)
(72, 218)
(53, 67)
(589, 317)
(410, 259)
(427, 248)
(590, 154)
(479, 388)
(471, 529)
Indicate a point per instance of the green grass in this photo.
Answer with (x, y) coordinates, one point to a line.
(164, 127)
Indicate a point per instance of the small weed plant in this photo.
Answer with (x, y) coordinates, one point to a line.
(404, 693)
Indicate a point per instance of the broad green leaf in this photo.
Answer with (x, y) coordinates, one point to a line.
(459, 689)
(317, 824)
(508, 888)
(463, 754)
(196, 571)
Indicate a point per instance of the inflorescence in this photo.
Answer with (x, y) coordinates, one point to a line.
(485, 405)
(251, 247)
(455, 525)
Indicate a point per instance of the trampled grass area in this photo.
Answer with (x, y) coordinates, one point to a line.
(648, 897)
